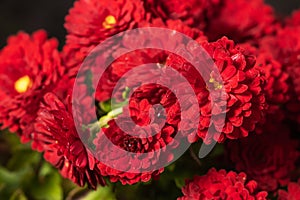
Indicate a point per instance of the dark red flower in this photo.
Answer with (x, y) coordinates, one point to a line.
(285, 47)
(292, 193)
(29, 67)
(222, 185)
(151, 140)
(242, 21)
(243, 82)
(268, 158)
(55, 135)
(194, 13)
(277, 81)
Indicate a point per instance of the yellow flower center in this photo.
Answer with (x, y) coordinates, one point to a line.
(216, 84)
(23, 84)
(109, 22)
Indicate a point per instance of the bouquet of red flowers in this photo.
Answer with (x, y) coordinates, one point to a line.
(155, 99)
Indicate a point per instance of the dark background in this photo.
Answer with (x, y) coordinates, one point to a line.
(30, 15)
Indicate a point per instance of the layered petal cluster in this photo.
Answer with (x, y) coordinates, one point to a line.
(90, 22)
(293, 192)
(243, 83)
(285, 47)
(222, 185)
(277, 80)
(56, 136)
(137, 58)
(148, 144)
(268, 158)
(194, 13)
(30, 65)
(242, 21)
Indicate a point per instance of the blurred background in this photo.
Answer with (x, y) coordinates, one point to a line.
(31, 15)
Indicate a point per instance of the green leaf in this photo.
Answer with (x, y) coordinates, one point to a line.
(103, 193)
(47, 187)
(23, 157)
(12, 181)
(180, 182)
(18, 195)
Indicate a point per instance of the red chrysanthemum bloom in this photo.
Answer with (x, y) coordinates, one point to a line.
(243, 82)
(276, 87)
(292, 193)
(29, 67)
(152, 140)
(179, 26)
(277, 80)
(134, 59)
(294, 20)
(194, 13)
(268, 158)
(289, 46)
(242, 21)
(119, 67)
(222, 185)
(91, 21)
(55, 135)
(285, 47)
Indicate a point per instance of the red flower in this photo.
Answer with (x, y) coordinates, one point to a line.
(194, 13)
(285, 47)
(152, 140)
(55, 135)
(221, 185)
(277, 81)
(294, 20)
(134, 59)
(242, 21)
(91, 22)
(29, 67)
(119, 67)
(268, 158)
(292, 193)
(193, 33)
(243, 83)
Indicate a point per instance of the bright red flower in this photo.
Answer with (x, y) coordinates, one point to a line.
(294, 20)
(91, 21)
(243, 82)
(29, 67)
(268, 158)
(152, 140)
(292, 193)
(222, 185)
(129, 61)
(242, 21)
(55, 135)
